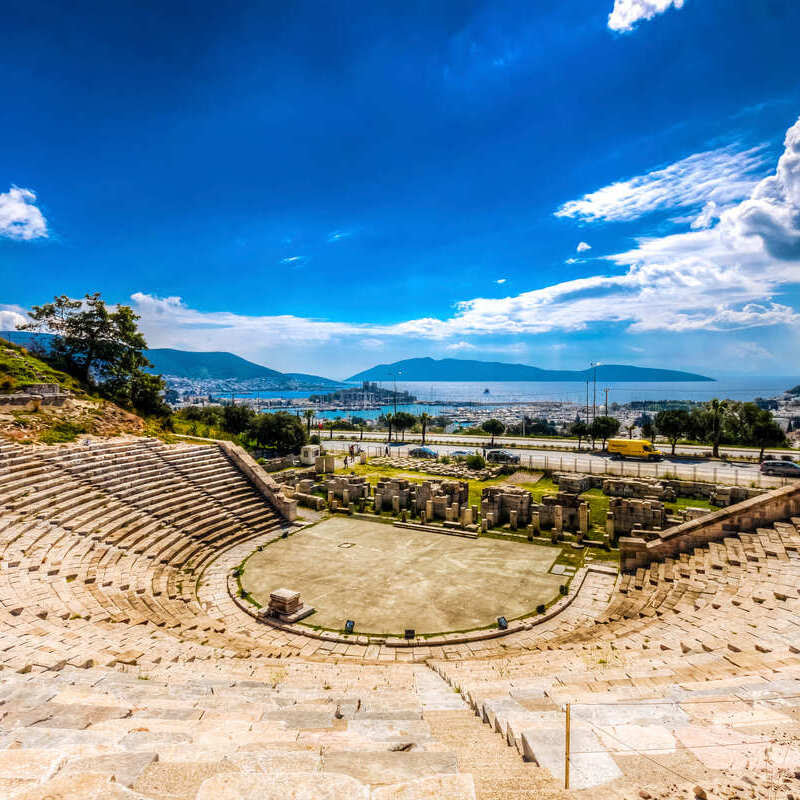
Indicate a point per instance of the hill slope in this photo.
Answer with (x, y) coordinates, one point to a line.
(456, 369)
(80, 414)
(206, 366)
(202, 366)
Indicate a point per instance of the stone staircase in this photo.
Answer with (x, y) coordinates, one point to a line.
(693, 669)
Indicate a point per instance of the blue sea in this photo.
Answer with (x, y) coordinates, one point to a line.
(432, 396)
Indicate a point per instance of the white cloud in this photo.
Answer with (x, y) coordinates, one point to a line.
(583, 247)
(20, 218)
(723, 278)
(501, 281)
(336, 236)
(722, 176)
(573, 261)
(461, 346)
(705, 219)
(294, 261)
(627, 13)
(372, 344)
(10, 317)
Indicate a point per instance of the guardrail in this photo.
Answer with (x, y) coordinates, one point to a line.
(710, 473)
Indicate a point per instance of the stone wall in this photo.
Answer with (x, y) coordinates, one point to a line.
(506, 503)
(664, 489)
(628, 514)
(348, 488)
(565, 504)
(261, 480)
(756, 512)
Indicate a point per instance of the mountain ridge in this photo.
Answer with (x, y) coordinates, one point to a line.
(213, 365)
(456, 370)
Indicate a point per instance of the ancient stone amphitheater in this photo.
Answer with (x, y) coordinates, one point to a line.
(129, 671)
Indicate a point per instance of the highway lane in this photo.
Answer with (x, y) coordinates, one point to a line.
(572, 444)
(699, 469)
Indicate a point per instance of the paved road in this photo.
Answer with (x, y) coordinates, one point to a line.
(572, 444)
(736, 473)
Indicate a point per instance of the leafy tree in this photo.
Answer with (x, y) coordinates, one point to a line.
(580, 430)
(766, 433)
(102, 348)
(282, 431)
(424, 421)
(672, 424)
(716, 413)
(360, 423)
(403, 421)
(237, 419)
(603, 428)
(494, 428)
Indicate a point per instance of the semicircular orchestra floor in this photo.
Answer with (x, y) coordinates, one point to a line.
(388, 579)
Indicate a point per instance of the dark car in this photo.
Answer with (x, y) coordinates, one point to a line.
(423, 452)
(782, 469)
(502, 457)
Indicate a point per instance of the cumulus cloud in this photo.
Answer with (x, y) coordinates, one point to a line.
(705, 219)
(10, 317)
(626, 13)
(20, 218)
(723, 176)
(583, 247)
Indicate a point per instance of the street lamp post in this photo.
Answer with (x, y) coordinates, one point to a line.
(594, 365)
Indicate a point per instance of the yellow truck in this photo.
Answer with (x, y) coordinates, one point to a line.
(633, 448)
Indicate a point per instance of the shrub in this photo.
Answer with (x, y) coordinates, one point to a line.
(540, 608)
(7, 383)
(445, 459)
(476, 461)
(62, 432)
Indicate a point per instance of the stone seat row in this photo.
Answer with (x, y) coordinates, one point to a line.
(337, 733)
(723, 613)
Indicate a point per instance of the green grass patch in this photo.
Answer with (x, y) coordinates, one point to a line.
(62, 432)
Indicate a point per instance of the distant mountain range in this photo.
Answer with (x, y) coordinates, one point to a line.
(207, 367)
(456, 369)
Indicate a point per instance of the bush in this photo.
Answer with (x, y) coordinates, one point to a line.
(445, 459)
(540, 608)
(475, 461)
(62, 432)
(7, 383)
(314, 439)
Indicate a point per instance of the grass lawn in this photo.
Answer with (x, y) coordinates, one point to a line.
(689, 502)
(374, 473)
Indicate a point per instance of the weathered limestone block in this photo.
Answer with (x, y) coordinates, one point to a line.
(583, 519)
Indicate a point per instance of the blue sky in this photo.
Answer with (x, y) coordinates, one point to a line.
(325, 186)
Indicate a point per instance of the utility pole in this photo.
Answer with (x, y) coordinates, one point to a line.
(587, 401)
(606, 390)
(566, 750)
(594, 365)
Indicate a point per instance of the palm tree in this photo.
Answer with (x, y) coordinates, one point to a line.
(630, 428)
(308, 415)
(424, 419)
(716, 412)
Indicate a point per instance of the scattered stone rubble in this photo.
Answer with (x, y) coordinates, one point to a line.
(663, 489)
